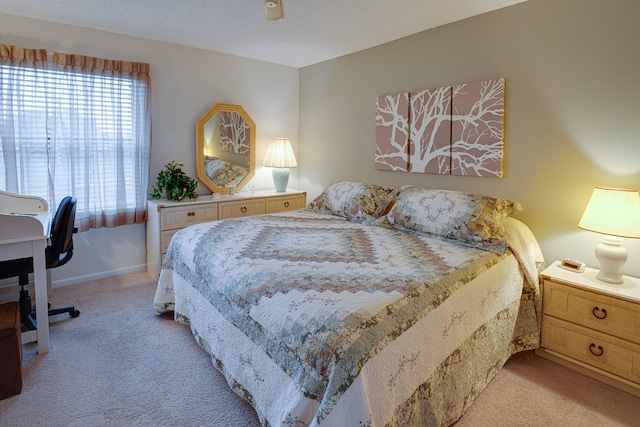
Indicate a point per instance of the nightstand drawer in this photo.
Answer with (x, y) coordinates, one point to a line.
(242, 208)
(181, 216)
(600, 312)
(286, 203)
(611, 354)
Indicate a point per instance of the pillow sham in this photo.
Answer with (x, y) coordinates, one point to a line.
(354, 200)
(469, 219)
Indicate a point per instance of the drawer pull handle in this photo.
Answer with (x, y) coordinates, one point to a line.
(286, 204)
(592, 346)
(596, 309)
(191, 213)
(243, 209)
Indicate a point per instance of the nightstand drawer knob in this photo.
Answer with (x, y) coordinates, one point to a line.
(286, 204)
(600, 350)
(243, 209)
(598, 310)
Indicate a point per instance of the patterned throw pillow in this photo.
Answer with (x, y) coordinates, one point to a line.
(470, 219)
(354, 201)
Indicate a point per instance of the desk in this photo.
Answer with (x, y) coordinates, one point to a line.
(25, 235)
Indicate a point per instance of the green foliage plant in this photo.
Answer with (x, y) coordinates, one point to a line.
(175, 183)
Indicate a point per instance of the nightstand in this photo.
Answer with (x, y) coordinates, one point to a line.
(592, 326)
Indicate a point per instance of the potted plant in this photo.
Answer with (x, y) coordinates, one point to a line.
(175, 183)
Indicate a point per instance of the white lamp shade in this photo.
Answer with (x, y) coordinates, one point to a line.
(613, 211)
(280, 154)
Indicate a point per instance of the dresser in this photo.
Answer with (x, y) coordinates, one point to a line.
(592, 326)
(165, 218)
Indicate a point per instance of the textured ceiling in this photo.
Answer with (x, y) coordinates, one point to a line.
(312, 31)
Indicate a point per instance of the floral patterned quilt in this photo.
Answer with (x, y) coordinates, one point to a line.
(317, 320)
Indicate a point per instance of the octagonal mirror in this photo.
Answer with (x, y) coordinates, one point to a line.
(225, 148)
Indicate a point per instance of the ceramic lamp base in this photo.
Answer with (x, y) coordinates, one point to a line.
(612, 256)
(280, 179)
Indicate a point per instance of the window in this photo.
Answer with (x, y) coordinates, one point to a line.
(80, 126)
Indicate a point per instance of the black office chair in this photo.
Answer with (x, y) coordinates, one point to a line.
(59, 252)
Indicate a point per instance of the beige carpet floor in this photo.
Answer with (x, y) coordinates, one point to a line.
(122, 364)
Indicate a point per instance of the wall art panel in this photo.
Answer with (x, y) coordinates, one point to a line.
(430, 140)
(477, 142)
(453, 130)
(392, 132)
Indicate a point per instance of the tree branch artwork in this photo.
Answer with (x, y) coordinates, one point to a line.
(431, 131)
(477, 140)
(392, 132)
(234, 133)
(455, 130)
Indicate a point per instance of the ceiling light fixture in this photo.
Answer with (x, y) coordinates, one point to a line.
(274, 10)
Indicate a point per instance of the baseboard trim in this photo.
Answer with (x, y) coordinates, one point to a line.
(97, 276)
(9, 290)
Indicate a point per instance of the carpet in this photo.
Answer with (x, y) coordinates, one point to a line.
(122, 364)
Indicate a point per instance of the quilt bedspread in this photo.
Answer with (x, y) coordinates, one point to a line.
(307, 315)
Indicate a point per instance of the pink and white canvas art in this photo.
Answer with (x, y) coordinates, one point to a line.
(392, 132)
(477, 128)
(234, 133)
(430, 141)
(456, 130)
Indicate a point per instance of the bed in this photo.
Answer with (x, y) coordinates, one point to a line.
(371, 307)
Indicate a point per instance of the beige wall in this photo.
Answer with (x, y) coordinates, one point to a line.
(572, 70)
(186, 82)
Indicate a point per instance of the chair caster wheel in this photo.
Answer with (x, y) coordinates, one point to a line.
(76, 313)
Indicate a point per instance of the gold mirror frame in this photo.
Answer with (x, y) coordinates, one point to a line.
(201, 143)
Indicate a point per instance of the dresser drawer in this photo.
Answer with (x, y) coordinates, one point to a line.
(165, 217)
(166, 239)
(177, 217)
(286, 203)
(593, 310)
(241, 208)
(611, 354)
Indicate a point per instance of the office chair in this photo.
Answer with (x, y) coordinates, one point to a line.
(57, 253)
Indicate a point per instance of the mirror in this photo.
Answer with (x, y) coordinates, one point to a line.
(225, 148)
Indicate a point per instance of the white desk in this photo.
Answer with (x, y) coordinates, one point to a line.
(24, 229)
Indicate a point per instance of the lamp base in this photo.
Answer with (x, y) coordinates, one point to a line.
(280, 179)
(612, 256)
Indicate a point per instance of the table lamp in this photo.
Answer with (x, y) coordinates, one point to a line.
(615, 213)
(280, 157)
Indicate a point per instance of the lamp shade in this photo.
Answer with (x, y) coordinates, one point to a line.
(280, 154)
(613, 211)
